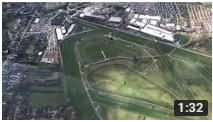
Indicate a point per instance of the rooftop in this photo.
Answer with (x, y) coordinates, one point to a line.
(115, 19)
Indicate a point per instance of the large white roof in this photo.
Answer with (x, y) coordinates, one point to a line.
(158, 29)
(133, 28)
(59, 34)
(170, 24)
(140, 24)
(149, 17)
(158, 32)
(144, 21)
(153, 22)
(95, 16)
(150, 32)
(132, 21)
(114, 19)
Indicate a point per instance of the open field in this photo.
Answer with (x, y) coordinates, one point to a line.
(45, 65)
(10, 25)
(132, 106)
(183, 38)
(205, 48)
(125, 88)
(208, 4)
(35, 88)
(91, 49)
(46, 99)
(120, 80)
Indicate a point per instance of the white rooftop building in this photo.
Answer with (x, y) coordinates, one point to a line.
(95, 16)
(36, 20)
(115, 19)
(128, 10)
(170, 25)
(136, 16)
(132, 21)
(149, 17)
(63, 30)
(140, 24)
(153, 22)
(40, 53)
(158, 32)
(159, 29)
(88, 10)
(178, 27)
(133, 28)
(81, 15)
(71, 28)
(144, 21)
(59, 34)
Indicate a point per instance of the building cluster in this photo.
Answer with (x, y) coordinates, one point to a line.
(61, 32)
(31, 36)
(60, 27)
(159, 19)
(200, 18)
(39, 28)
(110, 15)
(150, 25)
(50, 55)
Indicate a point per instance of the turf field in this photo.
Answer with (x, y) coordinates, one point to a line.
(114, 75)
(183, 38)
(47, 99)
(45, 88)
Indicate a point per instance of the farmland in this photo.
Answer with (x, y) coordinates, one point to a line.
(113, 75)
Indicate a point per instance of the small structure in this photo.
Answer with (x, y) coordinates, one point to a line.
(128, 10)
(40, 53)
(153, 22)
(63, 30)
(196, 25)
(71, 28)
(81, 15)
(36, 20)
(170, 24)
(178, 27)
(136, 16)
(103, 54)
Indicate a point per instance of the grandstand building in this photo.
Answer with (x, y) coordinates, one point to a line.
(158, 32)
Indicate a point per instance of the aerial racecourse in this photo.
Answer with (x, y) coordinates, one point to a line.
(110, 74)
